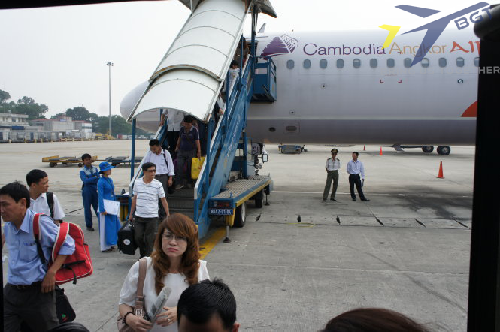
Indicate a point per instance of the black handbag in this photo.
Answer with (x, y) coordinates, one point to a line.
(64, 311)
(126, 239)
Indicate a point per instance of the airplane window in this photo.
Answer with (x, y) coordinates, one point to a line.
(323, 63)
(408, 63)
(391, 63)
(373, 63)
(356, 63)
(290, 64)
(476, 61)
(307, 63)
(340, 63)
(425, 63)
(442, 62)
(460, 62)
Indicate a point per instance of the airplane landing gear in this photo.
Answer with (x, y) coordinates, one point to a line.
(428, 148)
(443, 150)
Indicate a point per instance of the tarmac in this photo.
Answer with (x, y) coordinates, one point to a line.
(407, 249)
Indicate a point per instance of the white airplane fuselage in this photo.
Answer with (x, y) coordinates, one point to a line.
(318, 102)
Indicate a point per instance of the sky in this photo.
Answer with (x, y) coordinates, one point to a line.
(58, 56)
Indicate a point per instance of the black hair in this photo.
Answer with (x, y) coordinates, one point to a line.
(147, 165)
(188, 118)
(34, 176)
(234, 63)
(154, 142)
(85, 156)
(372, 320)
(199, 302)
(357, 153)
(16, 190)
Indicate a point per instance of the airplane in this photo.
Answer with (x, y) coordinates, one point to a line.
(344, 88)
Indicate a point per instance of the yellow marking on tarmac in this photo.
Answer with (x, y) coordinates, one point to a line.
(211, 242)
(393, 31)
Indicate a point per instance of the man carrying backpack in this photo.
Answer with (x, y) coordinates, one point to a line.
(164, 169)
(42, 201)
(29, 295)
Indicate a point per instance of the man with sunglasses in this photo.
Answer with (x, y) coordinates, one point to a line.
(332, 171)
(144, 210)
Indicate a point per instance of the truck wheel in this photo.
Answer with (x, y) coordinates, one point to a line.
(259, 197)
(240, 215)
(443, 150)
(428, 149)
(52, 165)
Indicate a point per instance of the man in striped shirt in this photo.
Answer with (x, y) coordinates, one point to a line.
(332, 170)
(144, 210)
(355, 168)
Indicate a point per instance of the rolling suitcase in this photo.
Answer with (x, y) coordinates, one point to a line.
(126, 239)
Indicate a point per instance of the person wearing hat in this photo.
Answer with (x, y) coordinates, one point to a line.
(332, 171)
(109, 225)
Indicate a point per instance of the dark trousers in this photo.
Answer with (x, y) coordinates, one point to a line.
(30, 306)
(90, 200)
(145, 232)
(354, 179)
(172, 137)
(163, 178)
(333, 176)
(184, 157)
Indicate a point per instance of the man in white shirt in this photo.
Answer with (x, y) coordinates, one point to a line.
(332, 170)
(147, 192)
(42, 201)
(355, 168)
(164, 168)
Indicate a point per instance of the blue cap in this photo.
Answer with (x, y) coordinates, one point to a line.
(105, 166)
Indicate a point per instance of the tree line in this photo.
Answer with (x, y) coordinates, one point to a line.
(100, 124)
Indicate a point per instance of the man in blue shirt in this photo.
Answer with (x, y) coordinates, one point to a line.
(29, 295)
(355, 168)
(89, 176)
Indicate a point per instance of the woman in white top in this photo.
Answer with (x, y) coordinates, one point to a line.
(174, 264)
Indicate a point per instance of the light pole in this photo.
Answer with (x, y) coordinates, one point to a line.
(110, 64)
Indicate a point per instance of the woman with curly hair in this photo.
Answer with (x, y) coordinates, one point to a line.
(174, 264)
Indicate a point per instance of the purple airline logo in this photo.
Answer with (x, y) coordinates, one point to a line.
(280, 45)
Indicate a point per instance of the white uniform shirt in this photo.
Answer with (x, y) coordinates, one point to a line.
(332, 165)
(174, 119)
(162, 167)
(40, 205)
(147, 198)
(175, 281)
(356, 167)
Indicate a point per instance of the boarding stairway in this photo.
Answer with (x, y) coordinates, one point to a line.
(189, 79)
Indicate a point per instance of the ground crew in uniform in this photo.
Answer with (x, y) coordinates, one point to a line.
(89, 176)
(147, 192)
(355, 168)
(29, 295)
(109, 225)
(332, 171)
(162, 159)
(40, 200)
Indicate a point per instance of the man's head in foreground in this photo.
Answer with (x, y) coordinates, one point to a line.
(208, 306)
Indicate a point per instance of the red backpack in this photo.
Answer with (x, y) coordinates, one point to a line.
(79, 264)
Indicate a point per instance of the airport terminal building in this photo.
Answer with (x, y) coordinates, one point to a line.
(17, 128)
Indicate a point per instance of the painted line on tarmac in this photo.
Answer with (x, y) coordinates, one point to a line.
(211, 242)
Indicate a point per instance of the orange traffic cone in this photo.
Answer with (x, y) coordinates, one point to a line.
(440, 173)
(364, 147)
(381, 153)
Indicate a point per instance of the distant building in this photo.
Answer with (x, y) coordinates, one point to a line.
(13, 119)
